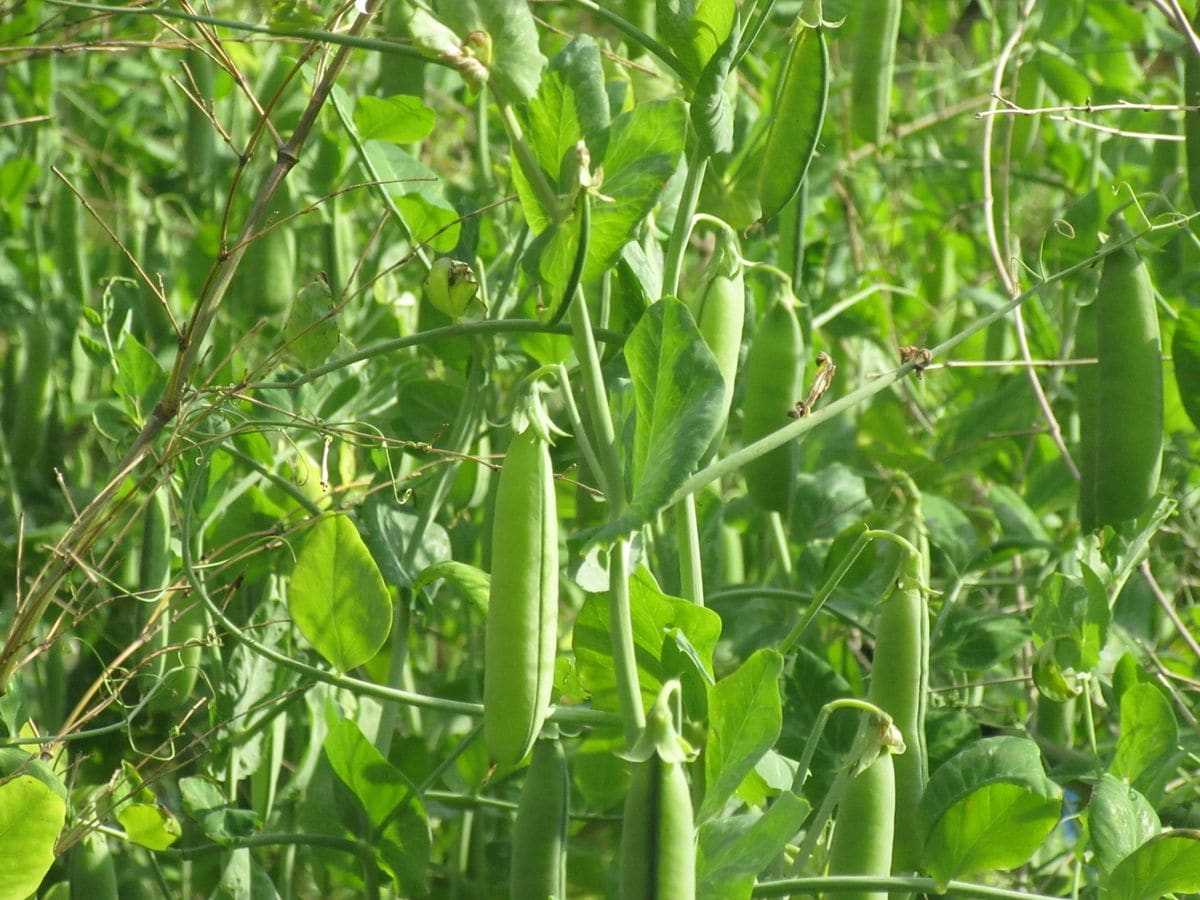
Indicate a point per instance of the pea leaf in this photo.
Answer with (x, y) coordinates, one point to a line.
(1166, 864)
(655, 616)
(711, 111)
(990, 807)
(1149, 735)
(400, 119)
(31, 817)
(400, 828)
(732, 851)
(694, 29)
(516, 64)
(1119, 820)
(744, 720)
(150, 825)
(337, 597)
(677, 394)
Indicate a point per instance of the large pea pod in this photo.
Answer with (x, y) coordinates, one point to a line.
(522, 620)
(863, 836)
(874, 64)
(1129, 400)
(1191, 118)
(899, 684)
(92, 870)
(1087, 394)
(539, 843)
(33, 393)
(774, 372)
(720, 313)
(658, 855)
(797, 116)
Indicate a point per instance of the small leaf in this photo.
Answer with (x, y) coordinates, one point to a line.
(31, 817)
(149, 825)
(311, 330)
(401, 119)
(1149, 734)
(711, 110)
(337, 597)
(744, 720)
(212, 812)
(1166, 864)
(733, 851)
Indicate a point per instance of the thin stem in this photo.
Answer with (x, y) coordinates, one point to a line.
(687, 536)
(637, 36)
(780, 541)
(633, 715)
(595, 398)
(814, 736)
(896, 884)
(688, 200)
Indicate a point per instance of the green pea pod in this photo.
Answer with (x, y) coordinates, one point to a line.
(92, 871)
(522, 620)
(1191, 119)
(796, 120)
(1087, 395)
(863, 836)
(720, 314)
(1128, 419)
(539, 843)
(773, 385)
(899, 684)
(658, 855)
(33, 393)
(874, 63)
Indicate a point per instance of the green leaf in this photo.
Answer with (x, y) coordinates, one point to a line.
(389, 530)
(1149, 735)
(149, 825)
(1119, 821)
(655, 616)
(210, 809)
(678, 391)
(1067, 612)
(990, 807)
(401, 119)
(516, 64)
(140, 379)
(337, 597)
(732, 851)
(419, 193)
(1166, 864)
(711, 109)
(694, 29)
(311, 329)
(31, 817)
(400, 828)
(1185, 348)
(744, 720)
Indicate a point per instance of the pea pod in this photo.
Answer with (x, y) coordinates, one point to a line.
(1087, 393)
(874, 64)
(720, 313)
(773, 385)
(797, 116)
(1128, 411)
(539, 843)
(899, 684)
(863, 836)
(658, 851)
(522, 620)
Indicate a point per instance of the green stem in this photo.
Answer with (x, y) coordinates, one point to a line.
(814, 736)
(577, 429)
(688, 200)
(629, 694)
(687, 535)
(530, 167)
(596, 400)
(832, 884)
(779, 539)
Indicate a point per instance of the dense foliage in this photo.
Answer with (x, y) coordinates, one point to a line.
(462, 447)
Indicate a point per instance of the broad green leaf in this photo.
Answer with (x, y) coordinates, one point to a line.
(655, 616)
(31, 817)
(1166, 864)
(732, 851)
(570, 106)
(14, 761)
(337, 597)
(1017, 520)
(711, 109)
(1149, 735)
(1075, 618)
(311, 329)
(1185, 348)
(975, 641)
(149, 825)
(744, 720)
(516, 62)
(419, 194)
(389, 528)
(211, 810)
(694, 29)
(140, 378)
(1062, 75)
(677, 392)
(400, 828)
(1119, 821)
(472, 582)
(401, 119)
(949, 529)
(990, 807)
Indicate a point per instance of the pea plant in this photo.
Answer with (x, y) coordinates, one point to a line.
(484, 448)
